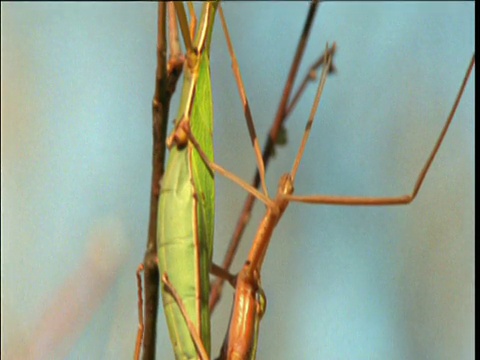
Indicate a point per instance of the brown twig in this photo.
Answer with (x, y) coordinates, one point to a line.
(267, 154)
(165, 82)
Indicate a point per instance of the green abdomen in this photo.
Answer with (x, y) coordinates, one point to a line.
(181, 254)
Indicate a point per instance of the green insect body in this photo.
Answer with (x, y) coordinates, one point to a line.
(186, 208)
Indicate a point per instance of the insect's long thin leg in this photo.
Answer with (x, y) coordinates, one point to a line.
(394, 200)
(318, 96)
(229, 175)
(310, 76)
(222, 273)
(182, 19)
(174, 41)
(193, 19)
(246, 106)
(191, 326)
(138, 343)
(203, 31)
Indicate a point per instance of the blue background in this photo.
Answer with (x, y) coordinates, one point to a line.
(341, 282)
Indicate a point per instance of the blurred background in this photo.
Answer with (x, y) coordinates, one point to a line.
(342, 282)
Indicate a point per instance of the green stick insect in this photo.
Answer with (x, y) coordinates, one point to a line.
(249, 296)
(186, 204)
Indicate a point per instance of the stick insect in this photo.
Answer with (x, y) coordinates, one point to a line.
(186, 203)
(250, 273)
(415, 260)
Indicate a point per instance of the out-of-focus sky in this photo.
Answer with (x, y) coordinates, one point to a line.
(341, 282)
